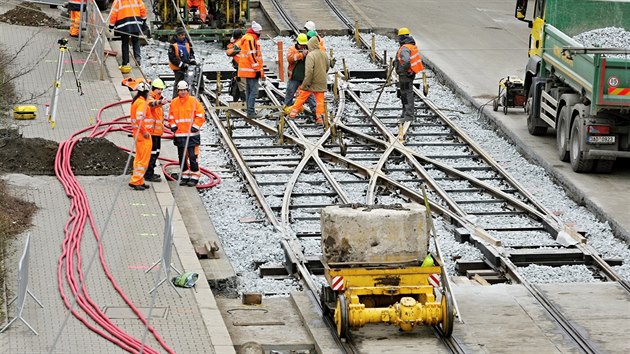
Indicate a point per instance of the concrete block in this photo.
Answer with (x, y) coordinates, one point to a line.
(373, 234)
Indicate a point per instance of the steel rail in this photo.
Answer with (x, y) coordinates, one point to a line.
(286, 17)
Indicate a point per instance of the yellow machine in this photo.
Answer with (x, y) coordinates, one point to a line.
(511, 94)
(403, 294)
(222, 18)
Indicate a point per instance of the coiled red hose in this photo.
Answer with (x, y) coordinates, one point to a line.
(69, 262)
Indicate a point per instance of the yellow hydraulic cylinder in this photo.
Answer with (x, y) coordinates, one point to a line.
(405, 314)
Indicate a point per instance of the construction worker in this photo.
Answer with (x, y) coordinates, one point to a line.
(74, 9)
(141, 137)
(127, 18)
(180, 55)
(311, 31)
(296, 57)
(185, 118)
(408, 63)
(238, 86)
(198, 7)
(155, 126)
(250, 66)
(317, 65)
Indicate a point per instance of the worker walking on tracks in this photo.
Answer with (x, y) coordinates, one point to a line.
(316, 74)
(155, 126)
(141, 137)
(296, 57)
(127, 18)
(250, 66)
(74, 9)
(408, 63)
(185, 117)
(237, 84)
(180, 55)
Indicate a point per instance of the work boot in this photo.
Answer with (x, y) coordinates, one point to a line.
(192, 183)
(253, 116)
(136, 188)
(183, 182)
(153, 178)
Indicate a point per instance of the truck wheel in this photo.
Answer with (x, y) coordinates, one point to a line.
(561, 135)
(604, 166)
(532, 127)
(578, 162)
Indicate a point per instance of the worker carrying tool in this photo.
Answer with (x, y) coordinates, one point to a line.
(408, 64)
(141, 137)
(180, 55)
(185, 117)
(155, 126)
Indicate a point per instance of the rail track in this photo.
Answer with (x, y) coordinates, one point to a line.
(294, 168)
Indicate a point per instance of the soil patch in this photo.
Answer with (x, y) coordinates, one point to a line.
(28, 14)
(36, 156)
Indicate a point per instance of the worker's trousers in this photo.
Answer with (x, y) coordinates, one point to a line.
(156, 144)
(188, 160)
(405, 88)
(75, 25)
(135, 42)
(299, 102)
(141, 160)
(289, 98)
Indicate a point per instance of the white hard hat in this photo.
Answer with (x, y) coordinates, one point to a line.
(310, 26)
(182, 85)
(256, 27)
(142, 86)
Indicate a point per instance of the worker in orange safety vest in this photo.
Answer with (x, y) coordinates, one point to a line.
(141, 137)
(408, 63)
(180, 55)
(185, 118)
(155, 126)
(128, 18)
(74, 9)
(250, 66)
(199, 7)
(237, 84)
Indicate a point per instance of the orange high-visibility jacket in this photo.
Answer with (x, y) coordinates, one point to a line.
(415, 61)
(127, 15)
(250, 60)
(232, 51)
(185, 114)
(155, 115)
(201, 7)
(293, 56)
(138, 109)
(178, 63)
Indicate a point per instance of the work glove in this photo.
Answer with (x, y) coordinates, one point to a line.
(174, 129)
(194, 130)
(192, 62)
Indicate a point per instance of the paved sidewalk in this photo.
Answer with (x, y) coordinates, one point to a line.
(132, 239)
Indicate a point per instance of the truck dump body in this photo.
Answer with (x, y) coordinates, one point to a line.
(605, 79)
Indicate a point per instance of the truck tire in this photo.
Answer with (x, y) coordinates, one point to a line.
(562, 138)
(578, 162)
(533, 102)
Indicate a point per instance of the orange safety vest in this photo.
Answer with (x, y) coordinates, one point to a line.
(293, 56)
(138, 109)
(185, 114)
(155, 115)
(127, 15)
(250, 60)
(414, 59)
(173, 66)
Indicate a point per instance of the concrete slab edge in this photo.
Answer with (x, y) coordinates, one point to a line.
(574, 191)
(313, 323)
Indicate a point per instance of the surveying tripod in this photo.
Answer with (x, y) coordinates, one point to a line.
(63, 48)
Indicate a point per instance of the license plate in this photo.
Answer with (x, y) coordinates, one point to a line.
(601, 139)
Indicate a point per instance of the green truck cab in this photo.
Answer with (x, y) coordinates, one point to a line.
(581, 92)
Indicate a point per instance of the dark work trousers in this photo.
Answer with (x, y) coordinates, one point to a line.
(135, 42)
(405, 87)
(156, 144)
(192, 158)
(179, 76)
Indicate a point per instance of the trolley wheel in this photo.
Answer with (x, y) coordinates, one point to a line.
(341, 317)
(495, 104)
(327, 298)
(448, 315)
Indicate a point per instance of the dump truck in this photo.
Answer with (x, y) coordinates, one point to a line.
(583, 92)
